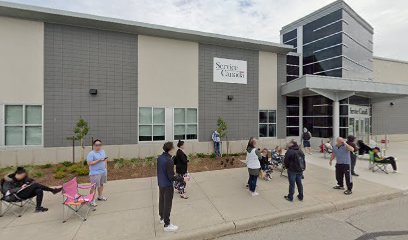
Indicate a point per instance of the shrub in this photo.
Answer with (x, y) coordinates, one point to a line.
(119, 163)
(45, 166)
(78, 169)
(60, 169)
(38, 174)
(200, 155)
(67, 164)
(60, 175)
(213, 155)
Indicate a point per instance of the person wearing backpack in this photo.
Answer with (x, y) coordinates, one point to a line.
(295, 164)
(306, 136)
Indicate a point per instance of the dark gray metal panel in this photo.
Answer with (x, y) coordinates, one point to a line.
(281, 109)
(387, 119)
(241, 114)
(78, 59)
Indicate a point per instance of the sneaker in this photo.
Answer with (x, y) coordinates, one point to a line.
(254, 194)
(93, 204)
(102, 198)
(287, 198)
(56, 190)
(338, 187)
(395, 171)
(41, 209)
(355, 174)
(161, 221)
(300, 199)
(171, 228)
(348, 192)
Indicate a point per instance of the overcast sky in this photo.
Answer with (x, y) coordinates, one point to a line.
(257, 19)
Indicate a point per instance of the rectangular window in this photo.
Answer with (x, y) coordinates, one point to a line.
(23, 125)
(267, 123)
(151, 124)
(185, 123)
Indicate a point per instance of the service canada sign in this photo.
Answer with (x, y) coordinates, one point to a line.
(230, 71)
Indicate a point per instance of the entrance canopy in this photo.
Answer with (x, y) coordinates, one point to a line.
(337, 89)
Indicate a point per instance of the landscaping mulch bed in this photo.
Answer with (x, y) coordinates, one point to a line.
(56, 174)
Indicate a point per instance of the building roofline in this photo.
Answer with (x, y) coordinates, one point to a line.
(328, 8)
(56, 16)
(390, 60)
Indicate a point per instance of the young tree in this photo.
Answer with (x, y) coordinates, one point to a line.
(81, 129)
(222, 130)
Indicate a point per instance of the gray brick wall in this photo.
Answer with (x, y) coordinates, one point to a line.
(241, 114)
(281, 108)
(78, 59)
(387, 119)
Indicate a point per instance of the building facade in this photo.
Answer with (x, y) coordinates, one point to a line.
(138, 85)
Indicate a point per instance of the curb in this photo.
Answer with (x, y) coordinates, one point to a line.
(210, 232)
(248, 224)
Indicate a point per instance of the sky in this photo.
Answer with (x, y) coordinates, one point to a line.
(255, 19)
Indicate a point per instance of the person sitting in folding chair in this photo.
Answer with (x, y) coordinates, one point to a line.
(18, 187)
(379, 158)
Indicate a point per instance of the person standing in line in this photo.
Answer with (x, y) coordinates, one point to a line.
(181, 163)
(306, 136)
(165, 179)
(341, 150)
(295, 164)
(97, 162)
(253, 159)
(353, 155)
(217, 142)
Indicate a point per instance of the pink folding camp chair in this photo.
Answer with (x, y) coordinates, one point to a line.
(73, 200)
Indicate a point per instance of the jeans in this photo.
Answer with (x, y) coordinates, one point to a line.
(295, 178)
(353, 162)
(344, 171)
(217, 149)
(165, 203)
(34, 190)
(252, 182)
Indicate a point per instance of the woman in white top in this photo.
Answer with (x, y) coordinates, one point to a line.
(253, 163)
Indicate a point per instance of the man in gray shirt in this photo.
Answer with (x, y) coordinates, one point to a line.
(341, 150)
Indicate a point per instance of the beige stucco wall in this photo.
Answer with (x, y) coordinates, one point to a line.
(390, 71)
(268, 74)
(21, 61)
(168, 72)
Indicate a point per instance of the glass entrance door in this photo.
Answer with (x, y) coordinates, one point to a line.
(359, 127)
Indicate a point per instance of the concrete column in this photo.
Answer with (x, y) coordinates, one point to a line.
(301, 114)
(336, 119)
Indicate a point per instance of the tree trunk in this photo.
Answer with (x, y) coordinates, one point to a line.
(82, 151)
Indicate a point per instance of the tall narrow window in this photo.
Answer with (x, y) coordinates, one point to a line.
(23, 125)
(185, 123)
(267, 123)
(151, 124)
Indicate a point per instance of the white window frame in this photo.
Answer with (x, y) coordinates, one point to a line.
(23, 125)
(185, 124)
(152, 125)
(267, 123)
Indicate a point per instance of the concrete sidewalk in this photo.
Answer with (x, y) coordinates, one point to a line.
(219, 204)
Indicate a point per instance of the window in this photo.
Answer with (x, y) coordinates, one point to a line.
(151, 124)
(267, 123)
(23, 125)
(185, 123)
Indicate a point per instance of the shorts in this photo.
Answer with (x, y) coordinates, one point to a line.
(306, 143)
(98, 179)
